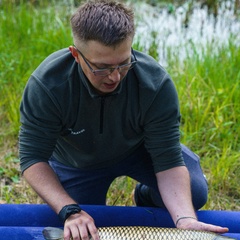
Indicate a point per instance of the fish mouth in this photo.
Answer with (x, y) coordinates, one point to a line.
(52, 233)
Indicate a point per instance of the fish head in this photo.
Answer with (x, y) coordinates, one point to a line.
(52, 233)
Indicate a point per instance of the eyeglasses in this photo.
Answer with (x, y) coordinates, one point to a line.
(107, 71)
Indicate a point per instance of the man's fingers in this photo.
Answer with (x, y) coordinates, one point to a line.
(83, 231)
(80, 226)
(93, 232)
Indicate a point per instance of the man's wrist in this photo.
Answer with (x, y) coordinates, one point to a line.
(68, 210)
(183, 218)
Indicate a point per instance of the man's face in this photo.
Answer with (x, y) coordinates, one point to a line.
(95, 56)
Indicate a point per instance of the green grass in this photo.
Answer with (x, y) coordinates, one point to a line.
(209, 92)
(207, 83)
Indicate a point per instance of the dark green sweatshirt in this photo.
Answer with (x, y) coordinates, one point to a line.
(62, 115)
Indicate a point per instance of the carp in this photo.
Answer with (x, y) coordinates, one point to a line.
(141, 233)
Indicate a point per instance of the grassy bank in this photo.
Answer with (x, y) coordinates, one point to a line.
(208, 87)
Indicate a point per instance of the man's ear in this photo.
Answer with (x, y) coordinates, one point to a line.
(74, 52)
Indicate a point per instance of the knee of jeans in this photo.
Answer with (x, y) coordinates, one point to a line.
(188, 155)
(199, 201)
(200, 195)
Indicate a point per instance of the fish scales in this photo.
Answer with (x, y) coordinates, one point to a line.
(140, 233)
(155, 233)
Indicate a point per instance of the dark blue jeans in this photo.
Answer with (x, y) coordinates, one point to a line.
(91, 186)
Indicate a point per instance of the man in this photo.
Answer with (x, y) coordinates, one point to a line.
(100, 110)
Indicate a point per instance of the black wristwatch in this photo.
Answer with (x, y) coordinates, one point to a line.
(68, 210)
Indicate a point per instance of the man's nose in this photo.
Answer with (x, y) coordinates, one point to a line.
(115, 75)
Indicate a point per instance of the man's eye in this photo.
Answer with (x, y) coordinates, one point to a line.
(101, 67)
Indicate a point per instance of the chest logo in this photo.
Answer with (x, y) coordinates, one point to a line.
(76, 132)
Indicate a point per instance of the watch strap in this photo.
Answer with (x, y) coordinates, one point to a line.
(68, 210)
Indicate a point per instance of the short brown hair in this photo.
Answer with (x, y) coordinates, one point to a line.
(107, 22)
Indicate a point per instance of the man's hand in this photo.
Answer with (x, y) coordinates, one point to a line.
(174, 186)
(192, 224)
(77, 226)
(80, 226)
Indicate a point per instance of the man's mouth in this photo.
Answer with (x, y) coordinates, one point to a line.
(110, 86)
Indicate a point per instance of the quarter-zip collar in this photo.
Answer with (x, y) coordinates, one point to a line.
(95, 95)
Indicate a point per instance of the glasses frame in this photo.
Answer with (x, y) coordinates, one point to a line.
(111, 70)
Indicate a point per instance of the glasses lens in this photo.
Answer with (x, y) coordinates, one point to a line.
(127, 67)
(103, 72)
(121, 69)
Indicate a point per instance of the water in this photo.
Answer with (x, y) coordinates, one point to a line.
(172, 31)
